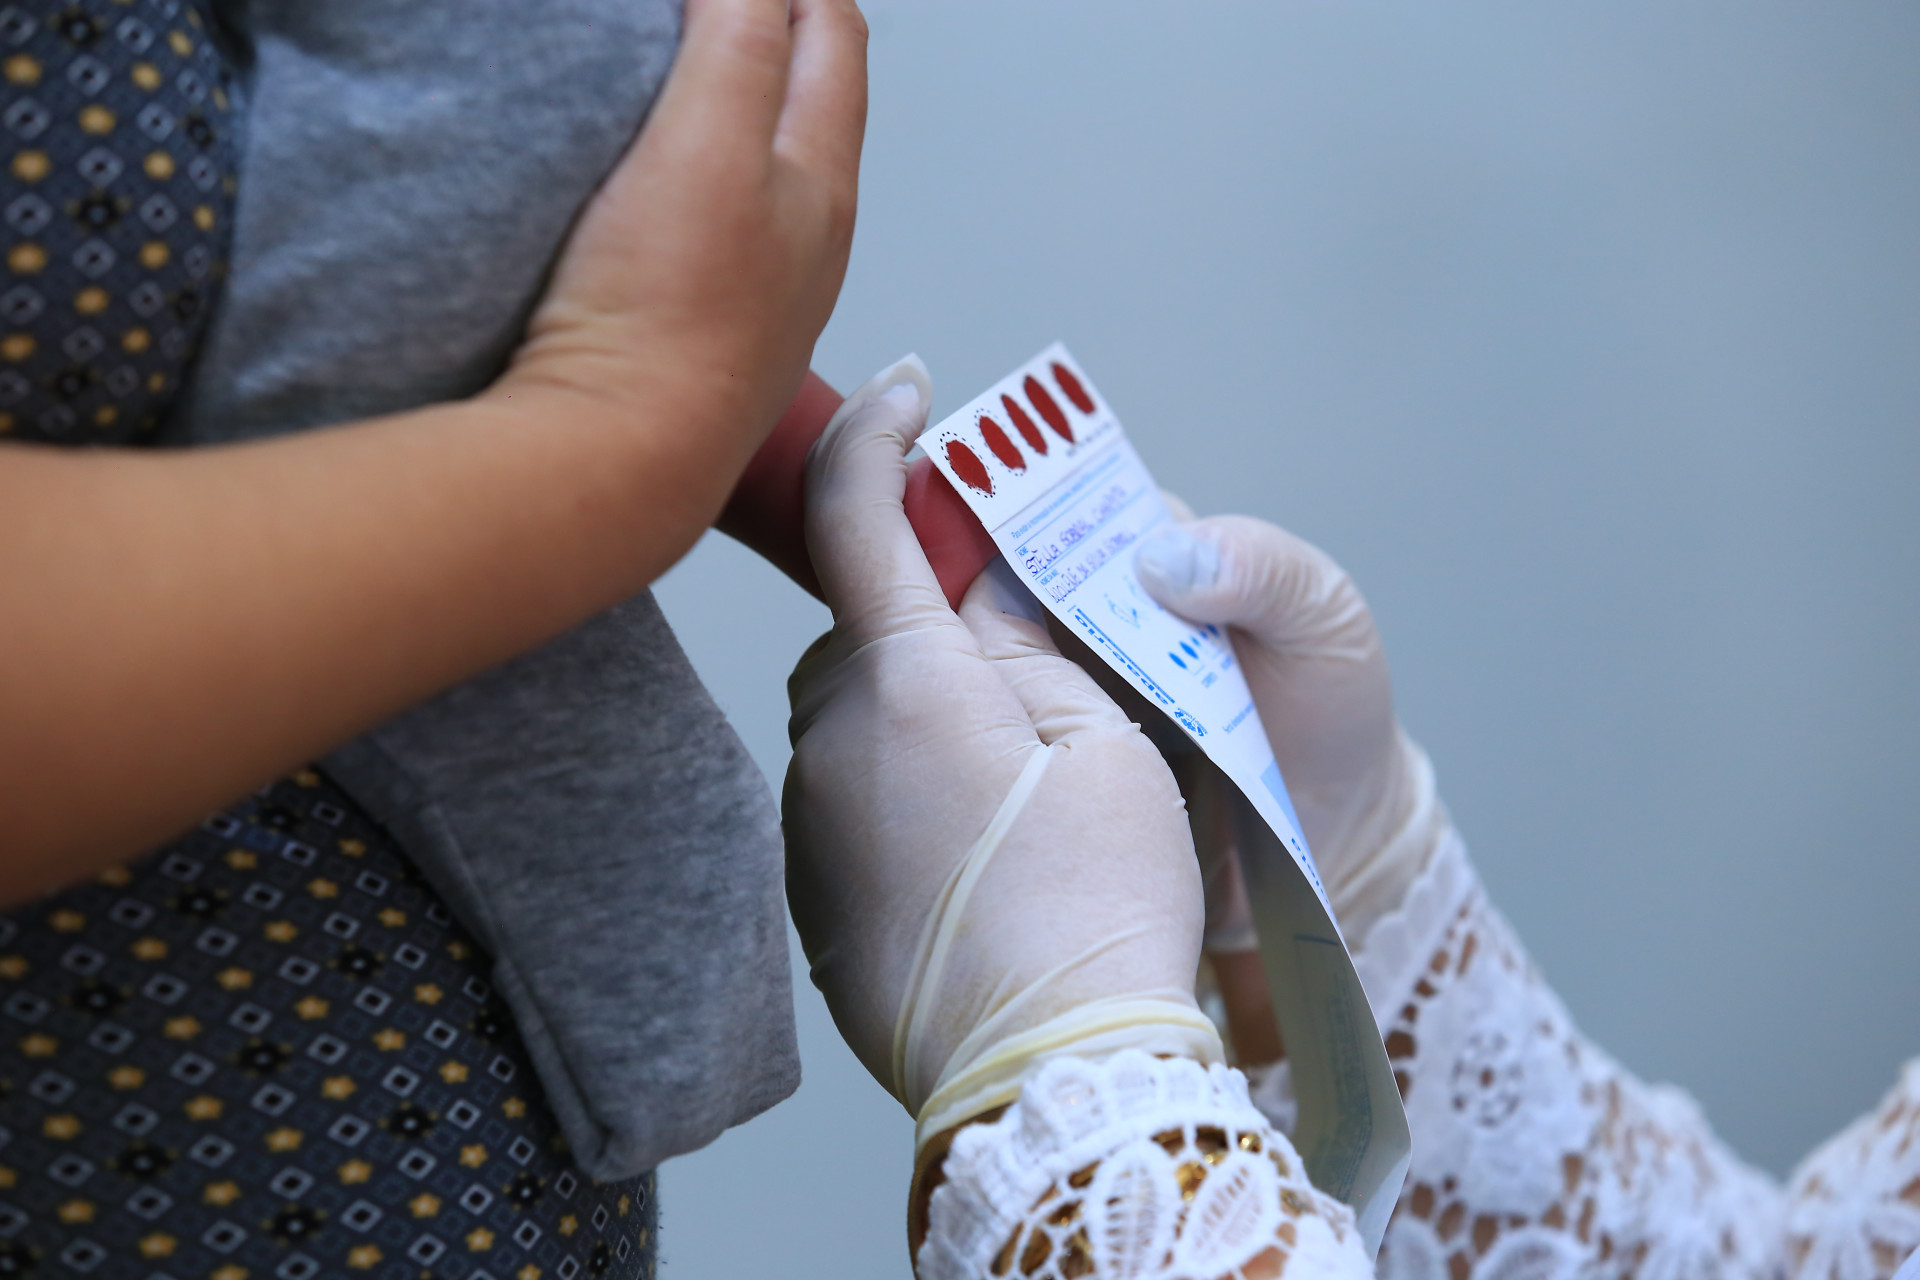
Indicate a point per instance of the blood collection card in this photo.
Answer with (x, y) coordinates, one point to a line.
(1041, 459)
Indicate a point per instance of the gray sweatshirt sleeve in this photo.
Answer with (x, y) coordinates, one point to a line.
(412, 168)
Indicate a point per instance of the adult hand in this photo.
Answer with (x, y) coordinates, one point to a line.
(988, 865)
(708, 263)
(264, 580)
(1318, 673)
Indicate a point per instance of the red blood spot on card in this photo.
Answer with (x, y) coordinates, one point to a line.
(957, 547)
(967, 465)
(1071, 385)
(1048, 409)
(1002, 447)
(1024, 425)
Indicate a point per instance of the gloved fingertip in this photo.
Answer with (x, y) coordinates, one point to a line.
(903, 387)
(1173, 563)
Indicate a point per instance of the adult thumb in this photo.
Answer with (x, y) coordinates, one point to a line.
(872, 571)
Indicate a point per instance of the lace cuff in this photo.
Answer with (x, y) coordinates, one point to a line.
(1395, 952)
(1535, 1153)
(1855, 1202)
(1538, 1157)
(1133, 1168)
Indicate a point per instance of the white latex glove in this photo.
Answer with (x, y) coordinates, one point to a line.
(1313, 659)
(988, 864)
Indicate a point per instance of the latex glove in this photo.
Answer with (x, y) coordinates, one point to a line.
(988, 865)
(1313, 660)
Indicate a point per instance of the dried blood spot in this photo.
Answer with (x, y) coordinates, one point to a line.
(967, 465)
(1024, 425)
(1002, 447)
(1047, 407)
(1071, 385)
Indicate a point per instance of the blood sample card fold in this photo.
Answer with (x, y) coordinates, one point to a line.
(1043, 462)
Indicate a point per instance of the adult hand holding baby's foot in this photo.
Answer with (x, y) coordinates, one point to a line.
(992, 874)
(694, 286)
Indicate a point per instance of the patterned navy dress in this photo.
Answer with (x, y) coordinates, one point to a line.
(268, 1049)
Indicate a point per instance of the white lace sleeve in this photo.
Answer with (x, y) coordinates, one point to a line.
(1538, 1157)
(1856, 1200)
(1133, 1168)
(1534, 1153)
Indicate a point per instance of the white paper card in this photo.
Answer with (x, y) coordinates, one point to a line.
(1043, 462)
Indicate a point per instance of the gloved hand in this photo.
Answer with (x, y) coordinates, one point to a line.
(1313, 659)
(988, 865)
(994, 880)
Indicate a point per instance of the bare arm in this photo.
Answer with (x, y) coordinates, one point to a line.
(176, 628)
(182, 626)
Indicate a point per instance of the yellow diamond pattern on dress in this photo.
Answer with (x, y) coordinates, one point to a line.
(262, 1075)
(119, 146)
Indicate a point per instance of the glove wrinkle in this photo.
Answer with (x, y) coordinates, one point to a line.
(937, 938)
(1391, 843)
(1006, 1006)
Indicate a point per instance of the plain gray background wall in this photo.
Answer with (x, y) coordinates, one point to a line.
(1588, 337)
